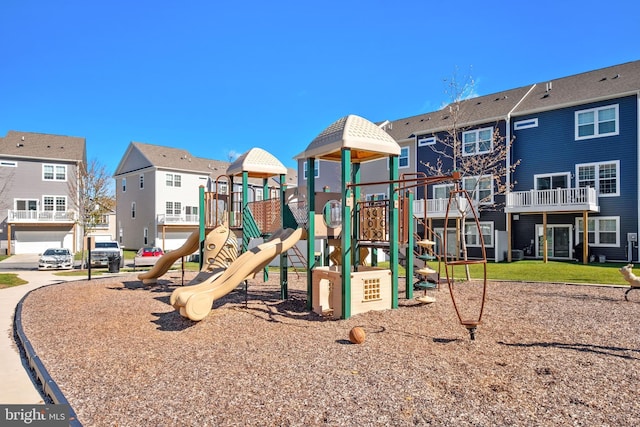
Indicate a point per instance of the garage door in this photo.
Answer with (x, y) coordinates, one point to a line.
(35, 242)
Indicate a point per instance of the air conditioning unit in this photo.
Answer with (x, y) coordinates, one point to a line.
(517, 255)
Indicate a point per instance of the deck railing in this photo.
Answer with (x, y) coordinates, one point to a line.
(555, 200)
(35, 216)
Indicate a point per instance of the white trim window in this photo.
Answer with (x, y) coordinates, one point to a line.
(141, 181)
(8, 163)
(597, 122)
(471, 234)
(173, 180)
(124, 185)
(403, 159)
(173, 208)
(441, 191)
(477, 141)
(480, 189)
(423, 141)
(316, 168)
(54, 172)
(601, 176)
(54, 203)
(604, 231)
(133, 210)
(145, 236)
(525, 124)
(551, 181)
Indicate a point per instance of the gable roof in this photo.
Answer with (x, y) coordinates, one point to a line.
(42, 146)
(605, 83)
(170, 158)
(472, 111)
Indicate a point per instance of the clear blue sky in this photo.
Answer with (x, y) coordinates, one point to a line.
(220, 77)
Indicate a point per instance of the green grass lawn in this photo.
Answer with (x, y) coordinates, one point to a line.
(8, 280)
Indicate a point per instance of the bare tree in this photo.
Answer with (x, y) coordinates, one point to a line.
(481, 160)
(94, 197)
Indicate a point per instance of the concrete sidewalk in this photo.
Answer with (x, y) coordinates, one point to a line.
(17, 385)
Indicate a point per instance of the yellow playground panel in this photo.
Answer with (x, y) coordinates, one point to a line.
(370, 290)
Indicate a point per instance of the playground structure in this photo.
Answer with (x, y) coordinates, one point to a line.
(353, 227)
(229, 217)
(350, 223)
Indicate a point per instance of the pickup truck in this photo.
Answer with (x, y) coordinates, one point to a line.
(104, 251)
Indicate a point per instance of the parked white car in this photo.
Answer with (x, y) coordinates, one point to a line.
(56, 258)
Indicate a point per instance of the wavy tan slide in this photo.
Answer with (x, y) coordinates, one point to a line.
(195, 302)
(214, 243)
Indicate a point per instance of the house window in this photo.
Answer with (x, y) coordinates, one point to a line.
(481, 190)
(441, 191)
(423, 141)
(403, 159)
(601, 176)
(525, 124)
(174, 180)
(192, 213)
(141, 182)
(552, 180)
(124, 185)
(316, 168)
(473, 239)
(54, 172)
(26, 205)
(9, 164)
(145, 236)
(596, 122)
(478, 141)
(133, 210)
(223, 188)
(603, 231)
(54, 203)
(375, 196)
(173, 208)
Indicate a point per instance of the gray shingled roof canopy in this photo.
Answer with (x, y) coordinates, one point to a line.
(258, 163)
(179, 159)
(43, 146)
(365, 140)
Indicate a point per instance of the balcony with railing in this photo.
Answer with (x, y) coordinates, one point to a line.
(555, 200)
(179, 219)
(437, 208)
(44, 217)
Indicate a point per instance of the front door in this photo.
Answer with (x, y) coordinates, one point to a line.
(558, 241)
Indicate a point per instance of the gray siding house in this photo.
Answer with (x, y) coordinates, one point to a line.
(38, 203)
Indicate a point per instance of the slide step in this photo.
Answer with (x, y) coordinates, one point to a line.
(425, 285)
(426, 257)
(425, 243)
(425, 271)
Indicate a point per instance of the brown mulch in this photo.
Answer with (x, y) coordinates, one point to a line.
(545, 355)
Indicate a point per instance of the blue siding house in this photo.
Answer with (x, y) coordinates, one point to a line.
(575, 143)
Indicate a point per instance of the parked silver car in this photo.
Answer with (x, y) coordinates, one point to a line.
(56, 258)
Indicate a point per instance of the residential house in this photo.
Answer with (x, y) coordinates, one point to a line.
(157, 194)
(575, 143)
(38, 183)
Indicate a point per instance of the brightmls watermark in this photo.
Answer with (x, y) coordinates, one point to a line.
(34, 415)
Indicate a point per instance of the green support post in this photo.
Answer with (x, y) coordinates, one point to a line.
(202, 225)
(393, 230)
(409, 250)
(356, 217)
(346, 233)
(265, 196)
(245, 198)
(311, 228)
(284, 260)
